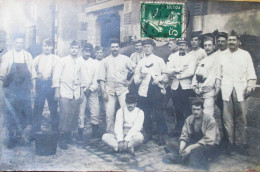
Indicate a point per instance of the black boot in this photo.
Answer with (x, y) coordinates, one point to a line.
(80, 134)
(95, 131)
(147, 137)
(161, 140)
(63, 141)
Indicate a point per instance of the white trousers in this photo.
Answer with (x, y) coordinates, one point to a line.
(110, 140)
(92, 102)
(209, 102)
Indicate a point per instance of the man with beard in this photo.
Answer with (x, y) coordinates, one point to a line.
(113, 81)
(181, 68)
(138, 55)
(149, 76)
(238, 79)
(90, 100)
(128, 126)
(44, 66)
(198, 142)
(17, 85)
(204, 82)
(197, 51)
(68, 81)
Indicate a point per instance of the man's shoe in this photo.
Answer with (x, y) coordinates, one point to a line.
(229, 149)
(161, 141)
(147, 137)
(131, 150)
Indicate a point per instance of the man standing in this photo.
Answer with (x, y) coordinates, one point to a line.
(197, 51)
(199, 140)
(68, 81)
(149, 76)
(181, 68)
(99, 53)
(238, 79)
(44, 66)
(91, 68)
(138, 55)
(17, 76)
(205, 83)
(113, 81)
(128, 126)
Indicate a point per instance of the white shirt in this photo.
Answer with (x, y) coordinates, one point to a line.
(136, 57)
(156, 70)
(236, 69)
(13, 56)
(133, 120)
(208, 68)
(45, 64)
(90, 69)
(69, 77)
(199, 54)
(182, 70)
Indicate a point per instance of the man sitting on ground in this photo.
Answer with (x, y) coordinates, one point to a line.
(128, 125)
(199, 139)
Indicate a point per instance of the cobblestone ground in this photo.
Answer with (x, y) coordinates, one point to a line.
(94, 156)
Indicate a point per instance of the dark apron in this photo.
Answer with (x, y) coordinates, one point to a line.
(18, 96)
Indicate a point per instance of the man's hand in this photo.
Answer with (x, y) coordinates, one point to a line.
(57, 94)
(248, 92)
(128, 82)
(186, 152)
(197, 91)
(105, 96)
(120, 145)
(143, 75)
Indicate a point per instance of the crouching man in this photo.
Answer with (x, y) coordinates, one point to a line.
(128, 125)
(199, 139)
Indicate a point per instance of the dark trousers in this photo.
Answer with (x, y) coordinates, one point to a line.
(182, 105)
(198, 158)
(152, 105)
(43, 92)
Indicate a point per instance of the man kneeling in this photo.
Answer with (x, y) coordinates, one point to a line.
(199, 139)
(128, 125)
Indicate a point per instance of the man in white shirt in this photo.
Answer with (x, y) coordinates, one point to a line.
(129, 123)
(68, 81)
(113, 80)
(181, 68)
(149, 77)
(138, 54)
(238, 79)
(44, 66)
(90, 100)
(197, 51)
(205, 83)
(17, 85)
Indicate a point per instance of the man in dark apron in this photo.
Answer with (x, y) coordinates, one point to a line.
(16, 76)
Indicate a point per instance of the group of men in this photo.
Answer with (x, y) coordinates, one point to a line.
(195, 81)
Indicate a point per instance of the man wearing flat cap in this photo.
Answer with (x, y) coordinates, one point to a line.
(68, 81)
(197, 51)
(181, 68)
(238, 79)
(150, 78)
(91, 69)
(198, 142)
(45, 66)
(112, 77)
(128, 126)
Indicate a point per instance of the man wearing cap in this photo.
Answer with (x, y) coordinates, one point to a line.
(238, 80)
(149, 76)
(17, 85)
(44, 66)
(91, 68)
(205, 83)
(129, 123)
(138, 54)
(113, 81)
(198, 142)
(197, 51)
(181, 68)
(68, 81)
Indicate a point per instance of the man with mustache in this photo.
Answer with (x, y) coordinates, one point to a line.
(238, 80)
(113, 81)
(197, 51)
(181, 68)
(90, 100)
(204, 82)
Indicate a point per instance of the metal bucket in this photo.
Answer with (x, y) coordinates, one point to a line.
(46, 143)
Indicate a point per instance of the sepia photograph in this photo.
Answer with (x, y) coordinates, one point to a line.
(130, 85)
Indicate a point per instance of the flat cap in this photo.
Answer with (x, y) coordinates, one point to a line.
(88, 46)
(47, 41)
(148, 41)
(222, 34)
(196, 34)
(184, 40)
